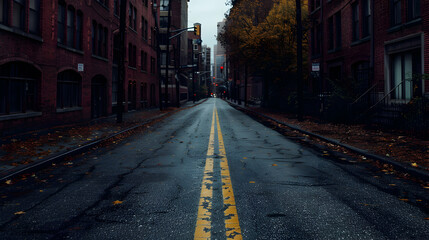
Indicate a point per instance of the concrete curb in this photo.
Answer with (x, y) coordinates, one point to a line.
(414, 171)
(60, 156)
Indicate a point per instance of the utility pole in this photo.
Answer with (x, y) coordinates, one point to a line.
(158, 52)
(121, 72)
(168, 55)
(193, 74)
(299, 58)
(176, 80)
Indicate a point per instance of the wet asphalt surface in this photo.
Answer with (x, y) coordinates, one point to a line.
(148, 186)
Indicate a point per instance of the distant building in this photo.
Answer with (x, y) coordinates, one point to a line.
(206, 65)
(58, 61)
(194, 63)
(220, 57)
(178, 50)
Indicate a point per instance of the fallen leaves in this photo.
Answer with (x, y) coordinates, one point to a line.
(8, 182)
(252, 182)
(117, 202)
(19, 213)
(274, 165)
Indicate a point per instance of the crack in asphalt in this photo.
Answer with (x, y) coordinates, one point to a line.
(61, 231)
(16, 217)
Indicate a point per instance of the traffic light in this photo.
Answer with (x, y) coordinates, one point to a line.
(221, 69)
(197, 29)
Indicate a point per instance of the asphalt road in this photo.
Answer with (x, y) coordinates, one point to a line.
(208, 171)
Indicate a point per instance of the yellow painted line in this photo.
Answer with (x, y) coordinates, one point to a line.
(203, 225)
(232, 225)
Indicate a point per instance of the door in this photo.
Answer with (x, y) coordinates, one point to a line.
(98, 97)
(132, 95)
(403, 68)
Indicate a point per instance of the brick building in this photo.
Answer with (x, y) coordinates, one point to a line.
(340, 45)
(401, 48)
(177, 11)
(58, 61)
(376, 50)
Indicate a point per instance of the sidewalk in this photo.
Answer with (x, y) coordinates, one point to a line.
(26, 150)
(395, 146)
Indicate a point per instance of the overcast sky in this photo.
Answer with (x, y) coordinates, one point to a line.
(208, 13)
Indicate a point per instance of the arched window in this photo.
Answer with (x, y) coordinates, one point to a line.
(68, 90)
(18, 88)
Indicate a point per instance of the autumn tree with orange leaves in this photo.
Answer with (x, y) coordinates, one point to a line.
(261, 35)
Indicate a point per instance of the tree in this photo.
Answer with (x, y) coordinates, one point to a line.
(263, 37)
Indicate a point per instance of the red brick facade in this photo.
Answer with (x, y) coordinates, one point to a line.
(83, 35)
(400, 40)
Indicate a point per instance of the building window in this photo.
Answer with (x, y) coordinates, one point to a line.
(164, 5)
(70, 23)
(4, 11)
(116, 7)
(132, 55)
(338, 32)
(317, 3)
(18, 88)
(355, 21)
(163, 22)
(315, 40)
(18, 14)
(366, 18)
(25, 15)
(152, 65)
(314, 4)
(94, 37)
(143, 61)
(79, 31)
(331, 33)
(401, 65)
(144, 28)
(105, 3)
(114, 85)
(132, 12)
(413, 9)
(143, 92)
(99, 40)
(153, 36)
(34, 17)
(61, 22)
(70, 26)
(395, 12)
(116, 49)
(68, 90)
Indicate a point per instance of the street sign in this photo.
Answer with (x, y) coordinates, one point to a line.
(315, 67)
(80, 67)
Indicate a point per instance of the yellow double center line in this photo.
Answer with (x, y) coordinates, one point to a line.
(204, 217)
